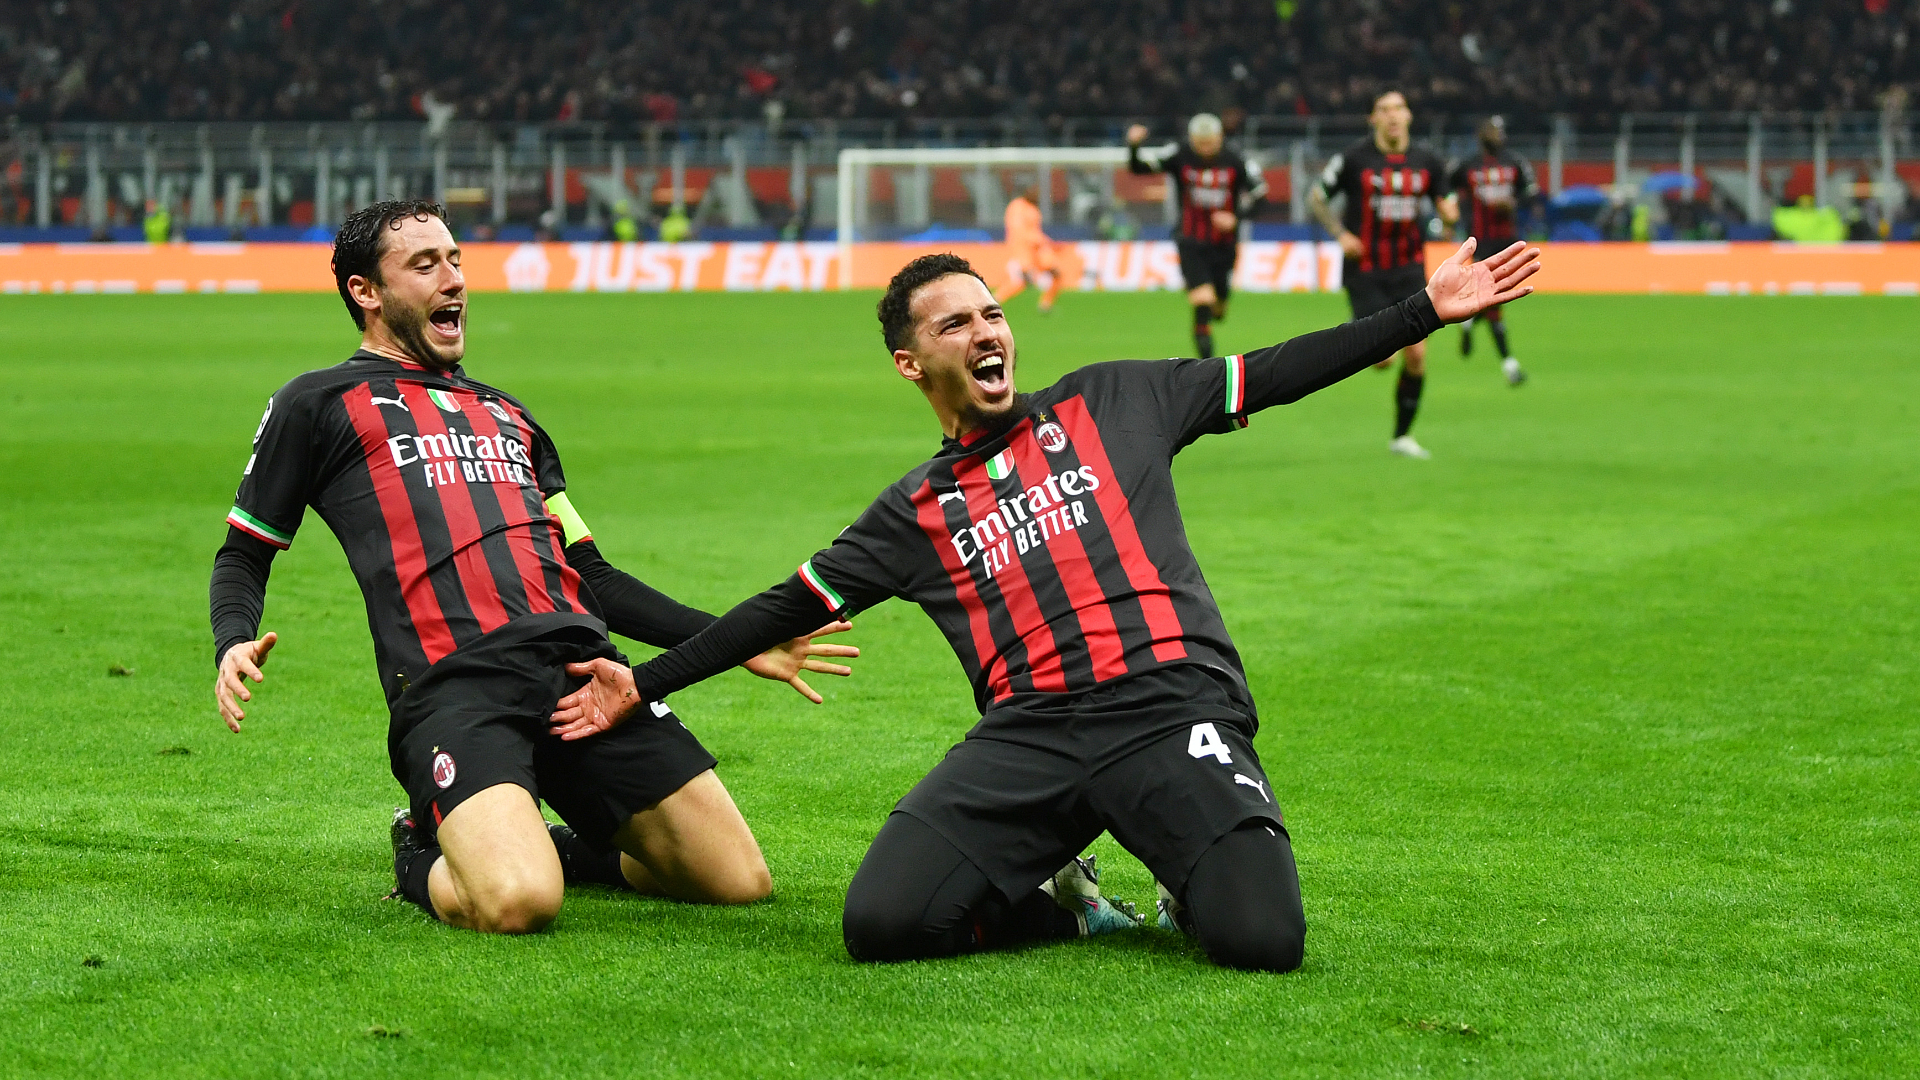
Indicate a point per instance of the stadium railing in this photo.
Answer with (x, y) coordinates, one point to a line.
(762, 180)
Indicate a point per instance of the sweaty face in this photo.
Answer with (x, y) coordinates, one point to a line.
(962, 351)
(423, 295)
(1391, 118)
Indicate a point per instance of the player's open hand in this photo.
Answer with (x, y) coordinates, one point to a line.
(1224, 220)
(241, 663)
(1462, 288)
(1136, 134)
(784, 663)
(608, 698)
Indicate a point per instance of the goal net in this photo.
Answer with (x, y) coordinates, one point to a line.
(957, 195)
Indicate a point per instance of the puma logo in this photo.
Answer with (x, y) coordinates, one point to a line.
(1243, 778)
(948, 496)
(401, 402)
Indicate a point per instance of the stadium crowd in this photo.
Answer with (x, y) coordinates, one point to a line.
(668, 60)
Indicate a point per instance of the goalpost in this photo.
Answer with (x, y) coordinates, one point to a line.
(962, 193)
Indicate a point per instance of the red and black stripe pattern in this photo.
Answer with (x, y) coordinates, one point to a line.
(1204, 185)
(1051, 555)
(1389, 199)
(1494, 186)
(436, 487)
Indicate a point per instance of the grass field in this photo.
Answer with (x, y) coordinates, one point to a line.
(1596, 733)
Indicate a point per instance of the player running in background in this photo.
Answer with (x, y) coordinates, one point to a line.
(1031, 253)
(1215, 189)
(1383, 233)
(1495, 185)
(481, 583)
(1045, 540)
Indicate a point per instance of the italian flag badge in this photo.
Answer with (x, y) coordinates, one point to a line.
(1000, 466)
(444, 400)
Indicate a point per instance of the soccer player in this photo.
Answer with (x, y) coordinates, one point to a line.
(1215, 188)
(481, 583)
(1385, 178)
(1045, 540)
(1495, 185)
(1032, 258)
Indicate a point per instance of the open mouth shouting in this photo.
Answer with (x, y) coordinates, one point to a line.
(448, 320)
(989, 372)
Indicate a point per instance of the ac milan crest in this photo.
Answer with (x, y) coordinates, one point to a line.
(443, 770)
(1051, 438)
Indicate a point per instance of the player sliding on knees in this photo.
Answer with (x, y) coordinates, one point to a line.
(482, 583)
(1045, 541)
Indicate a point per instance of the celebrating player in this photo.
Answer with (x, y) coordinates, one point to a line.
(1385, 178)
(1495, 185)
(1045, 541)
(1032, 259)
(1215, 188)
(481, 583)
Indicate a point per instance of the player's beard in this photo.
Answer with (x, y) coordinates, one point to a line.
(995, 425)
(409, 329)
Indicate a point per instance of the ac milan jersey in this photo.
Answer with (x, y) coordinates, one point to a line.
(1225, 181)
(1384, 194)
(435, 485)
(1052, 556)
(1493, 187)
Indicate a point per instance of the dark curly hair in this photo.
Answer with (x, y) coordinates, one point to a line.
(896, 307)
(356, 247)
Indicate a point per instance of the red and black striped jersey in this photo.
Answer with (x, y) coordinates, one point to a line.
(1225, 181)
(1052, 555)
(1492, 189)
(436, 486)
(1384, 194)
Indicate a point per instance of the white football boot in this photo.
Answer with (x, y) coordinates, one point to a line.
(1511, 369)
(1406, 447)
(1076, 888)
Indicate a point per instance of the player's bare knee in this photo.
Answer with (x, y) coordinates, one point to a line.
(742, 885)
(522, 908)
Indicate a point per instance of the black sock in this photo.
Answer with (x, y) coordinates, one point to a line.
(1406, 401)
(1500, 337)
(580, 864)
(413, 878)
(1203, 330)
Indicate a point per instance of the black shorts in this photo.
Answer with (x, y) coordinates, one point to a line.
(1167, 786)
(1369, 291)
(480, 717)
(1208, 264)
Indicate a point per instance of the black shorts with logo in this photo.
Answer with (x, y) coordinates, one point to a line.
(1369, 291)
(479, 718)
(1163, 760)
(1208, 264)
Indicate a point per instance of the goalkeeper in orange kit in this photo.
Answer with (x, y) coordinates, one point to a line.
(1032, 258)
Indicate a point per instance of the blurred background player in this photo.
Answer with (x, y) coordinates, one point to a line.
(1495, 185)
(1383, 232)
(1215, 188)
(1031, 257)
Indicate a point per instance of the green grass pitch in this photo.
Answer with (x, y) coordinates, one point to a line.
(1596, 733)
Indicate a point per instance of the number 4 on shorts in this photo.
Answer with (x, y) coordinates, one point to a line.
(1205, 742)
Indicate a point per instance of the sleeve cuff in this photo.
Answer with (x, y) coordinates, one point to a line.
(1419, 309)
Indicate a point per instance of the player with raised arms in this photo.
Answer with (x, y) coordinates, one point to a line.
(1215, 189)
(1045, 541)
(1382, 232)
(481, 583)
(1495, 185)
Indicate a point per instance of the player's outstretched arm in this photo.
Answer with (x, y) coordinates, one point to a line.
(1459, 289)
(776, 621)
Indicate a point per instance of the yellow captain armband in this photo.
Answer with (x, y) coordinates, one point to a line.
(570, 524)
